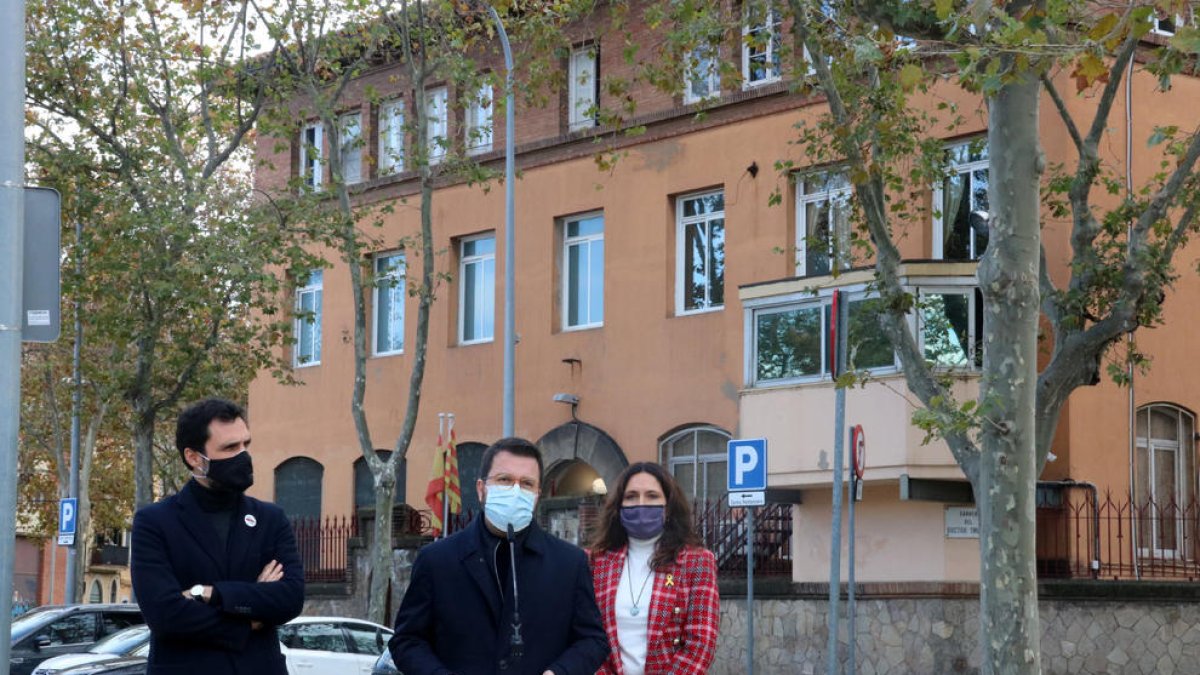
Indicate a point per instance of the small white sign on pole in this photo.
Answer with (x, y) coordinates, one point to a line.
(755, 498)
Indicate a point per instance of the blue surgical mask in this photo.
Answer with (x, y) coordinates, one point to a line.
(504, 506)
(645, 521)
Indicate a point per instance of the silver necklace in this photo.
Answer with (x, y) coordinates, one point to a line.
(635, 611)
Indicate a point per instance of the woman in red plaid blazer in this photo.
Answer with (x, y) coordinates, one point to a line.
(646, 541)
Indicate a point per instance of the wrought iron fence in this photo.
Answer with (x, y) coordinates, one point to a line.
(323, 547)
(723, 528)
(1082, 533)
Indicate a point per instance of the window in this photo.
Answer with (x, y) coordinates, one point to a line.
(389, 295)
(97, 594)
(479, 121)
(1166, 480)
(477, 289)
(79, 628)
(298, 487)
(822, 223)
(583, 272)
(1165, 23)
(350, 128)
(112, 594)
(367, 639)
(391, 137)
(950, 324)
(307, 351)
(791, 341)
(697, 459)
(322, 637)
(582, 90)
(311, 155)
(760, 44)
(437, 115)
(700, 253)
(702, 76)
(960, 225)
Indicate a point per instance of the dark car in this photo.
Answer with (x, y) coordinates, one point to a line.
(384, 665)
(133, 641)
(64, 629)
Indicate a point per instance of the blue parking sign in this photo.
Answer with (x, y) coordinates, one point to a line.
(747, 464)
(66, 515)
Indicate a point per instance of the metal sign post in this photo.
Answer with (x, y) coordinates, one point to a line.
(837, 342)
(747, 483)
(858, 458)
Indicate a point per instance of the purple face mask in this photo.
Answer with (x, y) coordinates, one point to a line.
(643, 522)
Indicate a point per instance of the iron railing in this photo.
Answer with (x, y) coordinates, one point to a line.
(1082, 533)
(324, 547)
(724, 528)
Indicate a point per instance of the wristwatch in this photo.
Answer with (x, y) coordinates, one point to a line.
(197, 592)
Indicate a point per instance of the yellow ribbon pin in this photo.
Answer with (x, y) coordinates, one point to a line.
(670, 580)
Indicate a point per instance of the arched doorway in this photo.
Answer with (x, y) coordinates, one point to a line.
(581, 462)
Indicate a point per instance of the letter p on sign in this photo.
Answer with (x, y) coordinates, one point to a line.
(748, 464)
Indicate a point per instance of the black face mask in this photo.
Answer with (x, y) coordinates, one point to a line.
(235, 474)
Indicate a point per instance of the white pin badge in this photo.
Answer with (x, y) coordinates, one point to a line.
(251, 521)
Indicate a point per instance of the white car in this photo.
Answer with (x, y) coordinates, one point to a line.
(133, 641)
(331, 645)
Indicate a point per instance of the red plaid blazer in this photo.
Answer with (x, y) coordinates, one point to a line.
(685, 612)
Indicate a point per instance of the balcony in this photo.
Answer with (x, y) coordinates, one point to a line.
(111, 554)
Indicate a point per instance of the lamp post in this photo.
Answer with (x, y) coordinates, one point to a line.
(510, 338)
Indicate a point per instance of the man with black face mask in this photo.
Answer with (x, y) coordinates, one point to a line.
(214, 571)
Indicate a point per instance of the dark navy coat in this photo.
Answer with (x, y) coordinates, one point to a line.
(453, 618)
(176, 547)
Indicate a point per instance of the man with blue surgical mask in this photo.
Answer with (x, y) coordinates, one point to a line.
(501, 595)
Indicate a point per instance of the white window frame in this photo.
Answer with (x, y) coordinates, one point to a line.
(1156, 23)
(681, 224)
(479, 130)
(397, 278)
(1149, 445)
(391, 137)
(312, 155)
(939, 218)
(583, 90)
(696, 459)
(751, 365)
(917, 324)
(350, 135)
(463, 262)
(315, 286)
(837, 260)
(770, 48)
(437, 121)
(586, 241)
(703, 56)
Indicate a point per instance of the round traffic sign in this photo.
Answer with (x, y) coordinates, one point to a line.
(858, 451)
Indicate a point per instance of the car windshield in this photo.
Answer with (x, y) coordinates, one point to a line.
(123, 641)
(32, 620)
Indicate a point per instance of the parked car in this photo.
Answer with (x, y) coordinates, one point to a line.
(133, 664)
(133, 641)
(384, 665)
(324, 645)
(49, 631)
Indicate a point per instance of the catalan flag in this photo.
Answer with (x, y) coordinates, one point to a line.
(444, 495)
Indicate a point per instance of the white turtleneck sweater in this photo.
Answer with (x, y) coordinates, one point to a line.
(635, 590)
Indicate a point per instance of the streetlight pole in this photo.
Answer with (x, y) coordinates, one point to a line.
(510, 282)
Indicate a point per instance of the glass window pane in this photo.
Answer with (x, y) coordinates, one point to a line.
(73, 630)
(363, 638)
(788, 343)
(712, 443)
(576, 291)
(716, 479)
(816, 241)
(323, 637)
(684, 446)
(716, 266)
(945, 324)
(596, 282)
(695, 252)
(584, 227)
(470, 307)
(685, 475)
(1164, 424)
(956, 209)
(868, 346)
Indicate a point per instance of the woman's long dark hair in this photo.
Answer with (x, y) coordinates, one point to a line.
(678, 530)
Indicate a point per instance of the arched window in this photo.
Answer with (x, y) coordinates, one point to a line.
(1166, 475)
(298, 487)
(97, 594)
(112, 591)
(696, 457)
(469, 457)
(364, 483)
